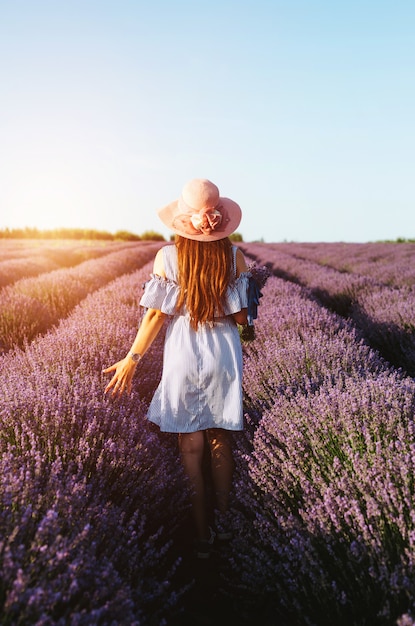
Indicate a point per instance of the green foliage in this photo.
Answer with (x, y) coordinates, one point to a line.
(152, 235)
(398, 240)
(125, 235)
(77, 233)
(56, 233)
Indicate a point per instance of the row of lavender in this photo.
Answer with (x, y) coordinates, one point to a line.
(88, 499)
(387, 263)
(383, 312)
(325, 473)
(22, 259)
(33, 305)
(324, 476)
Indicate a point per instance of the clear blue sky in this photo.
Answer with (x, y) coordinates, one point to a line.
(303, 111)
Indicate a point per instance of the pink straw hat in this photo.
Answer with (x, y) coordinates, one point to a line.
(200, 213)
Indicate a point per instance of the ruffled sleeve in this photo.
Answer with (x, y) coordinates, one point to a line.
(237, 294)
(160, 293)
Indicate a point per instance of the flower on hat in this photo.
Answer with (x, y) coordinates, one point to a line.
(206, 220)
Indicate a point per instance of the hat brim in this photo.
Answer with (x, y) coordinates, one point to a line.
(234, 214)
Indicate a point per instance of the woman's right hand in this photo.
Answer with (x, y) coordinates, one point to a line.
(122, 379)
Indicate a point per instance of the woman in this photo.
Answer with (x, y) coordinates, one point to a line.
(201, 283)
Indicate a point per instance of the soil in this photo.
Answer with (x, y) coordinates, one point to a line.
(212, 599)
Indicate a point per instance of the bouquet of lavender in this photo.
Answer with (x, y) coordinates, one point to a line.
(258, 276)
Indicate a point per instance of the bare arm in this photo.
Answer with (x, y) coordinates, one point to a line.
(241, 265)
(150, 327)
(124, 370)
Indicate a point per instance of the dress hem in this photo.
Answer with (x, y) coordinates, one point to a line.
(184, 432)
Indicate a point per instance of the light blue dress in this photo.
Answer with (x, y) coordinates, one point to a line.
(201, 384)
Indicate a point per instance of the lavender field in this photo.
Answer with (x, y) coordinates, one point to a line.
(94, 514)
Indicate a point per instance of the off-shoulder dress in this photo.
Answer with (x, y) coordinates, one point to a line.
(201, 383)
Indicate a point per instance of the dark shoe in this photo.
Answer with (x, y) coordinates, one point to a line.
(203, 547)
(223, 526)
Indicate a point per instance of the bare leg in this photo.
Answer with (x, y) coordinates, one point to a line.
(222, 464)
(191, 447)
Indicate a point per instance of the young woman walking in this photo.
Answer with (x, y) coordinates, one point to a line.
(200, 282)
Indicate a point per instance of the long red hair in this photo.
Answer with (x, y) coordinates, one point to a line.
(204, 273)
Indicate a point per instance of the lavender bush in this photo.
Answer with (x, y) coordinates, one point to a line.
(324, 497)
(391, 264)
(386, 316)
(383, 313)
(330, 505)
(15, 269)
(92, 496)
(334, 290)
(299, 345)
(21, 260)
(31, 306)
(92, 499)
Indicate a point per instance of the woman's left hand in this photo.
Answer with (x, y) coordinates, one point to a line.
(122, 379)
